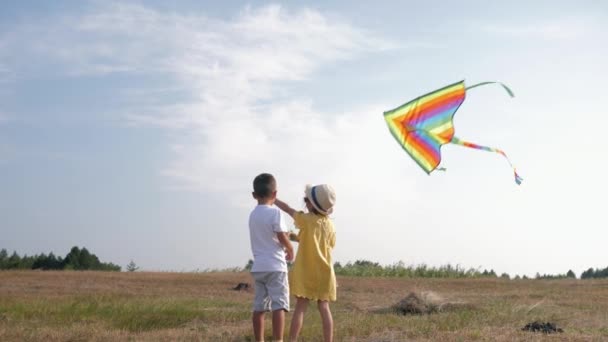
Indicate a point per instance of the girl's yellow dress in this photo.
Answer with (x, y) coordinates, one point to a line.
(312, 275)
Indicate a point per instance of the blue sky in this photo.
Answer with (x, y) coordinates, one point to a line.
(136, 128)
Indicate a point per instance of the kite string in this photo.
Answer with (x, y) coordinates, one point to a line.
(457, 141)
(509, 91)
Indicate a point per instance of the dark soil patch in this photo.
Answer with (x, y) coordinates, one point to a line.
(546, 328)
(241, 287)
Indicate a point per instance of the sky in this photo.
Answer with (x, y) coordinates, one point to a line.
(135, 129)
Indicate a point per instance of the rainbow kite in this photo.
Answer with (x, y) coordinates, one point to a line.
(424, 124)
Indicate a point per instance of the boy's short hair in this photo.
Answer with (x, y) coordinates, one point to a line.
(264, 185)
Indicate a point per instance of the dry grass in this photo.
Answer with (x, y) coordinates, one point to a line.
(98, 306)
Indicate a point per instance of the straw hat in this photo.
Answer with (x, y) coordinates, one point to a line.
(322, 197)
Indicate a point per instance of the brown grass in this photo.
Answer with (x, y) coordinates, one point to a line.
(99, 306)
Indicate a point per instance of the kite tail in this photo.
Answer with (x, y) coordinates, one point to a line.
(509, 91)
(457, 141)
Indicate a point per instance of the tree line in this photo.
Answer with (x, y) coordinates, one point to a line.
(76, 259)
(366, 268)
(370, 268)
(595, 273)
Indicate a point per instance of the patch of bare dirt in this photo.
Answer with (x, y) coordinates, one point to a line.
(427, 303)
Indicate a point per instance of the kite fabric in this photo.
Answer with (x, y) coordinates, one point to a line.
(424, 124)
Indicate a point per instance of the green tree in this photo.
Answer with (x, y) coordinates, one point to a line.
(40, 262)
(72, 259)
(47, 262)
(590, 273)
(367, 263)
(13, 261)
(54, 262)
(85, 260)
(3, 259)
(595, 273)
(570, 274)
(26, 262)
(489, 273)
(132, 267)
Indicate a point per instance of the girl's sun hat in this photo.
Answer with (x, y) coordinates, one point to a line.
(322, 197)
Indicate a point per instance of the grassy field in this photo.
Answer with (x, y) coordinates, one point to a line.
(111, 306)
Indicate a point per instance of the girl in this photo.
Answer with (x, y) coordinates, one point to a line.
(312, 276)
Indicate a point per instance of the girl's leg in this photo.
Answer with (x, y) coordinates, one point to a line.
(298, 318)
(328, 321)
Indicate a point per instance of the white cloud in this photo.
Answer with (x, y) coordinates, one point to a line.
(236, 113)
(236, 116)
(239, 118)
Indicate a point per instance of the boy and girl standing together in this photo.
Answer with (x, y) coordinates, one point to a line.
(312, 276)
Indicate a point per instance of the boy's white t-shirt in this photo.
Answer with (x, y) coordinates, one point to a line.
(265, 221)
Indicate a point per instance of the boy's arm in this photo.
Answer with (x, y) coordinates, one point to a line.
(284, 240)
(285, 207)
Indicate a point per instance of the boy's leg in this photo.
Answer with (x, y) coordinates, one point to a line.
(298, 318)
(278, 290)
(261, 304)
(278, 324)
(328, 321)
(258, 325)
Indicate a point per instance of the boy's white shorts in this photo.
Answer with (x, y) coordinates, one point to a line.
(271, 291)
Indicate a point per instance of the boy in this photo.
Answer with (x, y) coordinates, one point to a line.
(271, 251)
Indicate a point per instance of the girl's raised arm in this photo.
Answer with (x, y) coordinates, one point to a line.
(285, 207)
